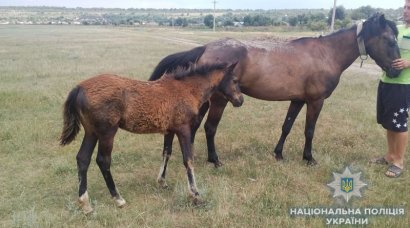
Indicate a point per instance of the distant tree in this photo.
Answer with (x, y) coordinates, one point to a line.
(363, 12)
(340, 14)
(209, 20)
(181, 22)
(293, 21)
(228, 23)
(302, 19)
(248, 20)
(317, 17)
(261, 20)
(257, 20)
(317, 25)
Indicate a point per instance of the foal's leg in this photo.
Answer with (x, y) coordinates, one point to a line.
(184, 136)
(166, 155)
(293, 111)
(105, 145)
(83, 161)
(313, 111)
(197, 121)
(168, 138)
(218, 104)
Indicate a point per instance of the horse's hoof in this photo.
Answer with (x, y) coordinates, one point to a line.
(119, 201)
(278, 157)
(217, 163)
(84, 202)
(311, 162)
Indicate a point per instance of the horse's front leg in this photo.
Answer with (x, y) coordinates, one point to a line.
(218, 104)
(166, 155)
(184, 137)
(293, 111)
(312, 113)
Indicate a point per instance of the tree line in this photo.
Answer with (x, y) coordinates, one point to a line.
(313, 19)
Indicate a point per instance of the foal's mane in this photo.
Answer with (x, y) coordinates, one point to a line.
(201, 70)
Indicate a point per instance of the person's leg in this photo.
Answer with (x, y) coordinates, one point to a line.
(397, 144)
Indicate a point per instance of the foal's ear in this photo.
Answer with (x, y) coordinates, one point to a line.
(231, 67)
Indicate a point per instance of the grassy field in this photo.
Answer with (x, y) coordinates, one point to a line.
(40, 64)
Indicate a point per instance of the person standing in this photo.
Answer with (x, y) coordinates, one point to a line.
(393, 103)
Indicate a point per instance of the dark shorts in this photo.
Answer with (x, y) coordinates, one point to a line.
(393, 103)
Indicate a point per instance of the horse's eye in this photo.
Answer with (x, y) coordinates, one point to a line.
(392, 43)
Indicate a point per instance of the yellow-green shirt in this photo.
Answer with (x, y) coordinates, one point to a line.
(404, 45)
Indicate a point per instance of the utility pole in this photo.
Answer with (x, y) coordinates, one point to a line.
(333, 17)
(214, 13)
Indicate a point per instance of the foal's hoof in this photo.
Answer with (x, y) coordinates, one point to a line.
(196, 201)
(87, 210)
(84, 202)
(311, 162)
(162, 183)
(119, 201)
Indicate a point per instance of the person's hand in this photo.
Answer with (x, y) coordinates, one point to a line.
(400, 64)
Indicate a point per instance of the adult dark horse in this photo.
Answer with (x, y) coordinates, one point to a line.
(304, 71)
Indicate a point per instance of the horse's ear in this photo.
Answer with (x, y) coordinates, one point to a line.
(382, 20)
(231, 67)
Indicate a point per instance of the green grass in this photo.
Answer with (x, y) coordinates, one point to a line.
(40, 64)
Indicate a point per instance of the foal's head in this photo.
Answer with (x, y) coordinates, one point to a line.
(223, 77)
(380, 39)
(229, 86)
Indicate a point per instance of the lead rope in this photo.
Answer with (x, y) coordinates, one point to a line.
(360, 42)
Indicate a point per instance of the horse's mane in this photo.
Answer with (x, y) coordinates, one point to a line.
(302, 39)
(367, 31)
(194, 69)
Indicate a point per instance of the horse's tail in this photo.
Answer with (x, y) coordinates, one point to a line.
(180, 59)
(71, 118)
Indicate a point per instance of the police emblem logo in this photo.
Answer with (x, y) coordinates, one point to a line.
(347, 184)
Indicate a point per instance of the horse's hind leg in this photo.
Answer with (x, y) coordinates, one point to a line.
(218, 104)
(83, 161)
(166, 155)
(293, 111)
(313, 111)
(105, 145)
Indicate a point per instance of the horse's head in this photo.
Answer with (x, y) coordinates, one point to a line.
(380, 40)
(229, 86)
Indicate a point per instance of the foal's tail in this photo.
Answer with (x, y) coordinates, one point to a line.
(180, 59)
(71, 118)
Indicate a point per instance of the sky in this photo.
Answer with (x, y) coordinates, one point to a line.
(207, 4)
